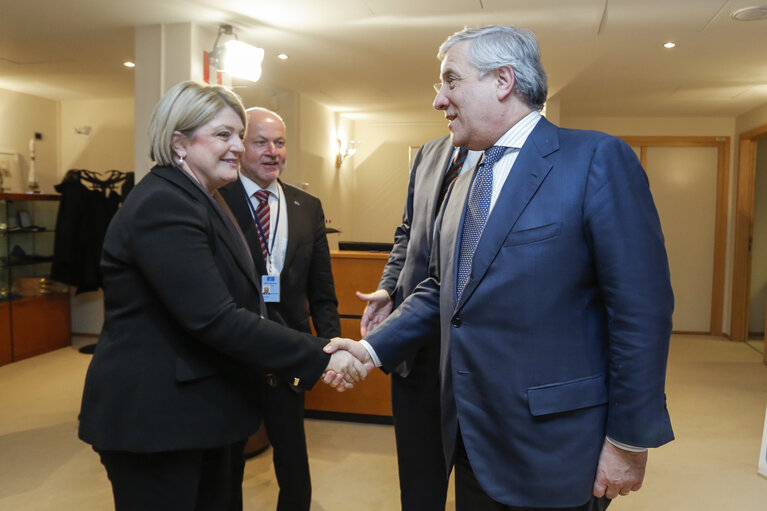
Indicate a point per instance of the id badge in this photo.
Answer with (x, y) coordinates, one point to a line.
(270, 288)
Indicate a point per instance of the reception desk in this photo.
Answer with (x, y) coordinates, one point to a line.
(369, 400)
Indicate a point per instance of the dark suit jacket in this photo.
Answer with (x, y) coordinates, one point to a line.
(408, 262)
(306, 281)
(561, 334)
(183, 342)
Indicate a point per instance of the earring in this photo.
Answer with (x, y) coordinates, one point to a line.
(181, 159)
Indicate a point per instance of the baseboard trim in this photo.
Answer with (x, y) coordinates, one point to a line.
(349, 417)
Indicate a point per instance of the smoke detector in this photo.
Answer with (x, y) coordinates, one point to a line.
(749, 13)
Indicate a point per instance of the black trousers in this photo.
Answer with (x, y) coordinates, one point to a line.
(189, 480)
(423, 478)
(283, 411)
(469, 495)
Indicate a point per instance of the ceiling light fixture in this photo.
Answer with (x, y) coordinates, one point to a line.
(128, 63)
(669, 45)
(750, 13)
(235, 57)
(282, 56)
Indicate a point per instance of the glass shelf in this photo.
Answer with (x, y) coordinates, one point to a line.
(34, 310)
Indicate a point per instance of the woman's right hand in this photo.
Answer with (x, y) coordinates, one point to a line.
(344, 368)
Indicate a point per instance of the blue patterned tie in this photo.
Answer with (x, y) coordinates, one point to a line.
(477, 209)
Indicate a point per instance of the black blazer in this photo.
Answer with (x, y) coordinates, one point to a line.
(183, 343)
(306, 281)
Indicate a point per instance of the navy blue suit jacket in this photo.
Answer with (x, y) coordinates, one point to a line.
(561, 334)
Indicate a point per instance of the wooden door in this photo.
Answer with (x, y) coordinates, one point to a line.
(688, 179)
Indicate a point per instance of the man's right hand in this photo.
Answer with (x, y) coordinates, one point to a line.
(344, 370)
(379, 306)
(363, 362)
(619, 471)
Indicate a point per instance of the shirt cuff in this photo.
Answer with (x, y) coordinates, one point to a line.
(372, 352)
(626, 447)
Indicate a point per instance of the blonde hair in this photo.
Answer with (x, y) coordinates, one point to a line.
(186, 107)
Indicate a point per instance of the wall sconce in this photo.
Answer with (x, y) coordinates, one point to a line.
(235, 57)
(345, 152)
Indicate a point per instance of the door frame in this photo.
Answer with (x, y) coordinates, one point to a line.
(744, 227)
(722, 144)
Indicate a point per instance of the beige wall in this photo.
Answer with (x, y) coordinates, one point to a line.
(683, 181)
(759, 247)
(110, 143)
(381, 174)
(22, 116)
(316, 171)
(750, 120)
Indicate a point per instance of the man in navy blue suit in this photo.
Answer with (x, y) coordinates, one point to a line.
(550, 288)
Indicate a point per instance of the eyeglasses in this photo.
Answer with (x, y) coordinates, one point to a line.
(450, 82)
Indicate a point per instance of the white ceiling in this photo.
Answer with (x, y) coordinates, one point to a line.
(603, 57)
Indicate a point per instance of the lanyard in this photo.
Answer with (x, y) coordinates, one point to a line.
(261, 232)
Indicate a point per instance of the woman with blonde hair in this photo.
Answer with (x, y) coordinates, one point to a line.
(170, 395)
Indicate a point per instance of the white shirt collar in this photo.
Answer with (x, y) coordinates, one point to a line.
(252, 187)
(518, 133)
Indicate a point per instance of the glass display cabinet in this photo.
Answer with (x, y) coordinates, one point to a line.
(34, 310)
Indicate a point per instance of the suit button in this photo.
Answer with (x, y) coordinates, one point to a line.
(456, 321)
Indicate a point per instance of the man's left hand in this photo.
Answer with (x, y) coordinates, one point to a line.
(619, 471)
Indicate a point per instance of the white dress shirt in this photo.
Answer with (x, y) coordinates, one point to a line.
(278, 219)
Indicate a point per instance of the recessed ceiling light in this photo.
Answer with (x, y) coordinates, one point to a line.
(128, 63)
(669, 45)
(750, 13)
(282, 56)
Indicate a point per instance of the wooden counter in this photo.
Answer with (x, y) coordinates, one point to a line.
(371, 399)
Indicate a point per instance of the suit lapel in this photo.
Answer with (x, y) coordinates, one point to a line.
(452, 223)
(442, 160)
(220, 224)
(527, 174)
(234, 194)
(294, 216)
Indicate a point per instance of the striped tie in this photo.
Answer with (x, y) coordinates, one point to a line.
(262, 213)
(452, 173)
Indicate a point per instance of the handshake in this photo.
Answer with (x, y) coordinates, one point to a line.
(349, 363)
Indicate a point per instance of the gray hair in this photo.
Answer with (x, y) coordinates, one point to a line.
(497, 46)
(185, 107)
